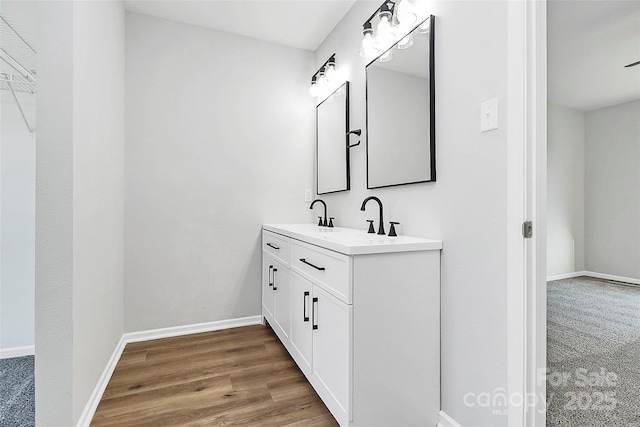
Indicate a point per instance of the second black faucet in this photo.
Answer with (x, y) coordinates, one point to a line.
(325, 222)
(381, 226)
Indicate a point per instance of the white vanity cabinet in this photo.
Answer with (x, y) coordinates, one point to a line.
(301, 323)
(362, 319)
(320, 342)
(276, 288)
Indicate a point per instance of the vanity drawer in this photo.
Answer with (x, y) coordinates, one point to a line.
(329, 270)
(276, 245)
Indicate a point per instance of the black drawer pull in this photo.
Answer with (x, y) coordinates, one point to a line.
(308, 263)
(274, 279)
(273, 246)
(304, 305)
(314, 323)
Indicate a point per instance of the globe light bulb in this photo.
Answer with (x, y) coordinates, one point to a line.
(384, 35)
(368, 48)
(405, 14)
(323, 85)
(384, 32)
(330, 74)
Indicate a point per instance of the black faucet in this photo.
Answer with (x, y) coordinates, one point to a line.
(381, 227)
(321, 223)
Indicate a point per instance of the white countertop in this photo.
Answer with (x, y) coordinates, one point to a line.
(350, 241)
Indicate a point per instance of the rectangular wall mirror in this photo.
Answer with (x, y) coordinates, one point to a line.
(332, 145)
(401, 112)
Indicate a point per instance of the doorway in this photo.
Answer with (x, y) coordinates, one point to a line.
(593, 208)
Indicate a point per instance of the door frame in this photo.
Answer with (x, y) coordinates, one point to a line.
(526, 201)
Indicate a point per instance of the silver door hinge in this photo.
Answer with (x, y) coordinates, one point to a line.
(527, 229)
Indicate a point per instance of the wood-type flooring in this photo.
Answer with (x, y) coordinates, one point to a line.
(240, 377)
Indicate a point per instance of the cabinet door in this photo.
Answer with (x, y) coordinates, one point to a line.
(281, 287)
(268, 296)
(301, 332)
(331, 323)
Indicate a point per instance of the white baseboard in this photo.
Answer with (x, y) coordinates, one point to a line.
(27, 350)
(101, 386)
(153, 334)
(176, 331)
(612, 277)
(596, 275)
(446, 421)
(567, 276)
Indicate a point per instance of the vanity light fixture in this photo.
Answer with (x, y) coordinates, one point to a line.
(325, 80)
(393, 19)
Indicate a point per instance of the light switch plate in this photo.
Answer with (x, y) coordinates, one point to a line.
(307, 194)
(489, 115)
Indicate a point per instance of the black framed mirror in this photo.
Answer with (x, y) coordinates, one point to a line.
(332, 144)
(401, 111)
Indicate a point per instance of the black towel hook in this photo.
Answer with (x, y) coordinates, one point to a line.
(355, 132)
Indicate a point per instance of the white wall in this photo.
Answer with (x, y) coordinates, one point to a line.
(219, 140)
(98, 191)
(612, 200)
(466, 208)
(79, 193)
(54, 215)
(17, 213)
(17, 223)
(593, 202)
(565, 190)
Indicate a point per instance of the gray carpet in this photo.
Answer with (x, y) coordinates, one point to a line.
(593, 353)
(17, 405)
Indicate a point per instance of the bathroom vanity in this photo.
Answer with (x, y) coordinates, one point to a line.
(360, 315)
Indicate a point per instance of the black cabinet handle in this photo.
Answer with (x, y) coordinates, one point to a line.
(314, 324)
(270, 280)
(304, 306)
(274, 279)
(273, 246)
(308, 263)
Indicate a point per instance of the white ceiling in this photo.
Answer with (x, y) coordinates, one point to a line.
(588, 44)
(589, 41)
(302, 24)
